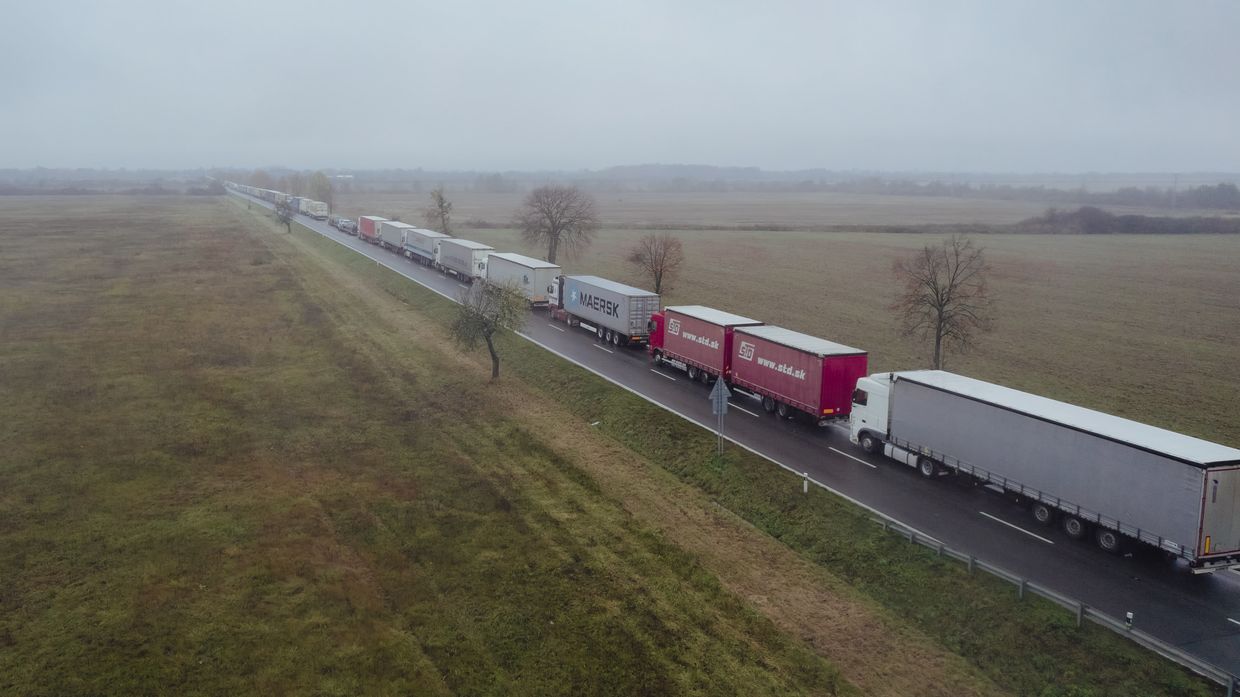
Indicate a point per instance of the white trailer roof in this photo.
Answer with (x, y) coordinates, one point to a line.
(468, 244)
(710, 314)
(431, 234)
(614, 287)
(398, 224)
(1151, 438)
(799, 341)
(529, 262)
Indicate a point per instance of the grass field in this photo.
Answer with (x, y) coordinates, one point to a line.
(237, 461)
(732, 210)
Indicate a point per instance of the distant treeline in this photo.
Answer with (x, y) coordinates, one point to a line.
(213, 188)
(1088, 220)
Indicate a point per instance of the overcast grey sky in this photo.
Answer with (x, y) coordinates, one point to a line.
(978, 86)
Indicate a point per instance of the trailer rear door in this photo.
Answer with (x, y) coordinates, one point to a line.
(1220, 524)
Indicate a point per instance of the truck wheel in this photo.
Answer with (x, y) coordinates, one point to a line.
(618, 340)
(1074, 527)
(1044, 514)
(658, 358)
(783, 410)
(602, 334)
(768, 404)
(869, 443)
(704, 377)
(1108, 540)
(927, 467)
(692, 372)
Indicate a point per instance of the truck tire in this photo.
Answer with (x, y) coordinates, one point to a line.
(1075, 527)
(783, 410)
(1108, 540)
(618, 340)
(927, 467)
(658, 358)
(692, 372)
(602, 334)
(869, 443)
(768, 404)
(1042, 513)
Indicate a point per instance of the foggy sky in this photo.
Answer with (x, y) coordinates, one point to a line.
(947, 86)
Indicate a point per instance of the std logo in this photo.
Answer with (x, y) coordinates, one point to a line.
(673, 327)
(746, 350)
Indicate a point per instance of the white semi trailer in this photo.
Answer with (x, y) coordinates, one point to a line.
(1092, 472)
(534, 277)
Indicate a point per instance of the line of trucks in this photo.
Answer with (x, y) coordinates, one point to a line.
(1093, 474)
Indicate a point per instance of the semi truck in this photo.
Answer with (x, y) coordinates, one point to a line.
(1091, 473)
(696, 339)
(465, 259)
(617, 313)
(315, 209)
(533, 276)
(293, 203)
(368, 228)
(795, 373)
(392, 235)
(422, 245)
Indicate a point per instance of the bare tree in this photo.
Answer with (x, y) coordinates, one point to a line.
(319, 188)
(261, 179)
(484, 310)
(945, 295)
(439, 214)
(284, 214)
(658, 256)
(559, 217)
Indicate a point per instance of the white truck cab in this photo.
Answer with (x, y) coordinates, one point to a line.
(867, 424)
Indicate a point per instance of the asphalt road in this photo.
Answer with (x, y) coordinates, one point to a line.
(1200, 614)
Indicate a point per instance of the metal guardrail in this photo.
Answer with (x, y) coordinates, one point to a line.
(1081, 610)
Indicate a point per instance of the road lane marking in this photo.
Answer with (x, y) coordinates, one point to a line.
(558, 329)
(852, 457)
(1017, 527)
(660, 374)
(1233, 621)
(463, 286)
(734, 406)
(602, 349)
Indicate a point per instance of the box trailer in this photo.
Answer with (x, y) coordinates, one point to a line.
(1093, 472)
(696, 339)
(794, 372)
(618, 314)
(392, 235)
(422, 245)
(368, 228)
(465, 259)
(293, 203)
(315, 209)
(534, 277)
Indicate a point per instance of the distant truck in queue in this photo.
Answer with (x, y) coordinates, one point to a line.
(533, 276)
(795, 373)
(314, 209)
(618, 314)
(1092, 473)
(368, 228)
(392, 235)
(465, 259)
(696, 339)
(422, 245)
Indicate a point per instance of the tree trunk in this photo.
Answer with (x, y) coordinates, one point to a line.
(552, 243)
(494, 359)
(938, 346)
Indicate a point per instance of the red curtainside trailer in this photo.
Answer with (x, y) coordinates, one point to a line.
(795, 372)
(368, 227)
(695, 339)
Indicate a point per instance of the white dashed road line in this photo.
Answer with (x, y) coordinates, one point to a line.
(1018, 528)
